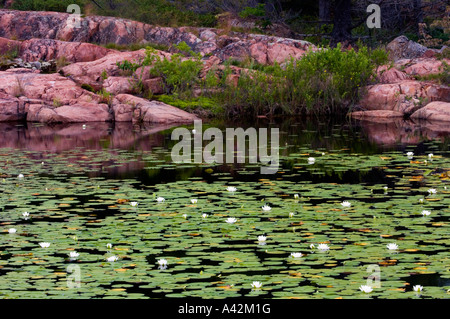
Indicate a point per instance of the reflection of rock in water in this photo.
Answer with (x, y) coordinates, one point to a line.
(97, 136)
(93, 136)
(393, 131)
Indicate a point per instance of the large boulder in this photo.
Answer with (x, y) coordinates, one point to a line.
(95, 72)
(144, 110)
(423, 66)
(404, 96)
(49, 88)
(403, 48)
(82, 112)
(11, 108)
(49, 49)
(435, 111)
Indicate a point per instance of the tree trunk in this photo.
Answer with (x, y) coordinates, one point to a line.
(342, 29)
(418, 14)
(324, 11)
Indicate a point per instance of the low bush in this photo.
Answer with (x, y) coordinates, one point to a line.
(327, 81)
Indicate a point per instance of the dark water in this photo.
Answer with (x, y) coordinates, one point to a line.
(362, 137)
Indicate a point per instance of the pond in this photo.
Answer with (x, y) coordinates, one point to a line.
(122, 220)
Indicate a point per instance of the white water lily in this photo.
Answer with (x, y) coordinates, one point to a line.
(296, 196)
(296, 255)
(112, 258)
(266, 208)
(421, 200)
(430, 156)
(323, 247)
(194, 201)
(162, 262)
(426, 212)
(417, 288)
(366, 289)
(73, 254)
(262, 238)
(323, 153)
(12, 230)
(410, 154)
(185, 216)
(291, 215)
(109, 245)
(44, 244)
(231, 189)
(432, 191)
(256, 284)
(346, 204)
(204, 215)
(385, 188)
(26, 214)
(231, 220)
(20, 176)
(312, 246)
(311, 160)
(392, 246)
(160, 199)
(134, 204)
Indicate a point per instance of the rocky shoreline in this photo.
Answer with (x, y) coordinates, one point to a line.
(28, 93)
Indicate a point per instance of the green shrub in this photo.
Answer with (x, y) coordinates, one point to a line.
(179, 74)
(328, 81)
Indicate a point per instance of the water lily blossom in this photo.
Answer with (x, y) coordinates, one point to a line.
(112, 258)
(256, 284)
(392, 246)
(12, 230)
(185, 216)
(346, 204)
(432, 191)
(204, 215)
(160, 199)
(417, 288)
(262, 238)
(44, 244)
(421, 200)
(296, 196)
(73, 254)
(194, 201)
(291, 215)
(430, 156)
(162, 262)
(311, 160)
(296, 255)
(26, 214)
(410, 154)
(134, 204)
(266, 208)
(231, 220)
(20, 176)
(366, 289)
(323, 247)
(426, 212)
(109, 245)
(231, 189)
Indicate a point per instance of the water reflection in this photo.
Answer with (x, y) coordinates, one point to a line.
(360, 136)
